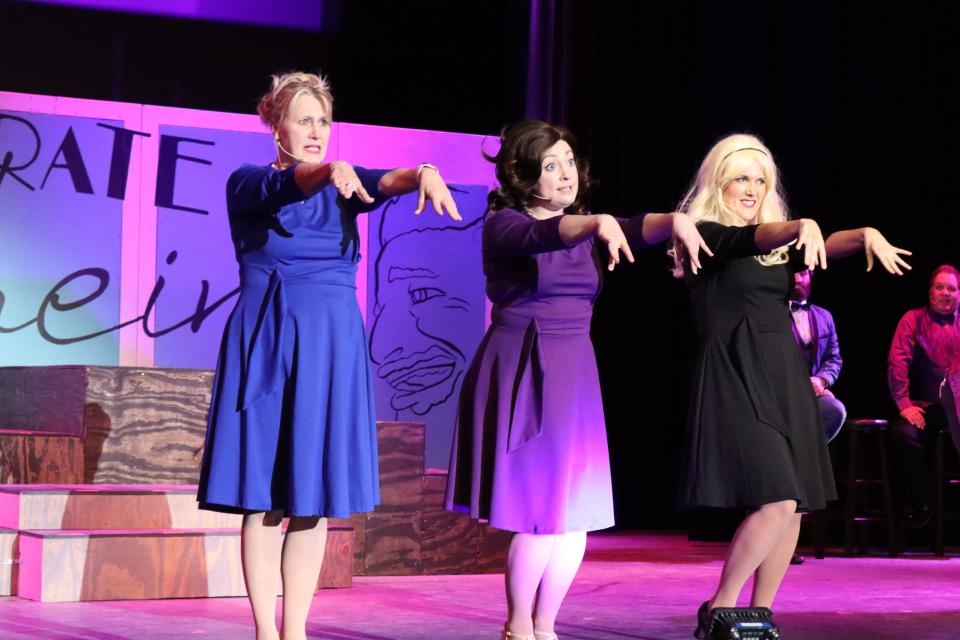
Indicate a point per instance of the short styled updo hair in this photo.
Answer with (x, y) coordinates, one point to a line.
(287, 87)
(522, 147)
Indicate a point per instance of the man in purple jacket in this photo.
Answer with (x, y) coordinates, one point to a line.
(816, 335)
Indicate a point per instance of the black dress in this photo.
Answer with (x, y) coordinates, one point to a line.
(754, 434)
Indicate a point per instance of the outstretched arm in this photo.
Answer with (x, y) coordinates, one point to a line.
(604, 227)
(658, 227)
(805, 231)
(425, 179)
(311, 178)
(873, 244)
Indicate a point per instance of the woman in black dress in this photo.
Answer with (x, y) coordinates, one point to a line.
(754, 437)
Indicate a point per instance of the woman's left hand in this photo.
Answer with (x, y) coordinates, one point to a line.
(346, 181)
(876, 246)
(433, 187)
(685, 233)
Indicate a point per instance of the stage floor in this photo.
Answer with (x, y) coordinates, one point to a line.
(631, 586)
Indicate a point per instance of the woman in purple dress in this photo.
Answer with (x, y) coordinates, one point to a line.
(291, 430)
(530, 452)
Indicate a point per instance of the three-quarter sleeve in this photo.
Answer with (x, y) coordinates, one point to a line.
(727, 243)
(633, 230)
(509, 233)
(261, 190)
(370, 179)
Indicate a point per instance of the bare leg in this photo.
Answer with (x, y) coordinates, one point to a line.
(303, 549)
(260, 557)
(565, 559)
(771, 571)
(526, 562)
(756, 538)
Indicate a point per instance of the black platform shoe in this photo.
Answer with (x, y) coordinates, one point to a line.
(703, 621)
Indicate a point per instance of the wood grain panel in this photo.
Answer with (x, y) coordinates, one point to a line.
(401, 451)
(145, 425)
(392, 545)
(337, 569)
(494, 544)
(27, 459)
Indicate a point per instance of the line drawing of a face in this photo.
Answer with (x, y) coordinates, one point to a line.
(424, 329)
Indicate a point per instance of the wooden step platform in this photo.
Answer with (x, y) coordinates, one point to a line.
(92, 424)
(107, 506)
(453, 542)
(72, 566)
(133, 438)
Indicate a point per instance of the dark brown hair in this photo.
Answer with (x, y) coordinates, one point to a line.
(522, 146)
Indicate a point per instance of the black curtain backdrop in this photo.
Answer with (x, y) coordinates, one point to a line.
(856, 102)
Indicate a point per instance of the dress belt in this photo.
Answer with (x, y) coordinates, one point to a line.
(526, 397)
(265, 369)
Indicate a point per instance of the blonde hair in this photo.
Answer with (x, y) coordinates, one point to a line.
(287, 87)
(726, 161)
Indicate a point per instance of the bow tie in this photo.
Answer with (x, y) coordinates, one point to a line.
(797, 306)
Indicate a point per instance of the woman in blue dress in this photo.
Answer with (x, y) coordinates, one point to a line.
(291, 431)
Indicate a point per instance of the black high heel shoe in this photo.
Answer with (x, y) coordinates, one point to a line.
(703, 621)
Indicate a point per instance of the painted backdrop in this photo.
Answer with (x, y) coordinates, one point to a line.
(115, 248)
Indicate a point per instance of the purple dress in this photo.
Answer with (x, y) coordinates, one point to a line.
(530, 450)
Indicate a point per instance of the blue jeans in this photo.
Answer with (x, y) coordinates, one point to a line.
(833, 413)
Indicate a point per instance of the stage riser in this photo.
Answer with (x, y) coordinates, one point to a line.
(9, 555)
(398, 538)
(143, 426)
(110, 507)
(454, 542)
(60, 567)
(146, 427)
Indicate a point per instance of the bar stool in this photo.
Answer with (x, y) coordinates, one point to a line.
(858, 432)
(945, 479)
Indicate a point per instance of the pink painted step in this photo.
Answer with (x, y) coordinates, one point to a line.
(9, 559)
(106, 506)
(115, 564)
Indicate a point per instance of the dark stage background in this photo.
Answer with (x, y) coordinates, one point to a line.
(858, 104)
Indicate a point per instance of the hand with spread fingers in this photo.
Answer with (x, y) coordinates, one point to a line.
(810, 239)
(875, 246)
(432, 187)
(611, 234)
(346, 182)
(686, 235)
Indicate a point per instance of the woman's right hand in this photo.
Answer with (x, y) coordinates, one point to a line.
(810, 239)
(610, 233)
(876, 246)
(346, 182)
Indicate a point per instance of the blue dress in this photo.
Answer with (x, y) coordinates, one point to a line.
(291, 423)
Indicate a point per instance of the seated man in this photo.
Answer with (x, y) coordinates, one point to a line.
(926, 343)
(817, 336)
